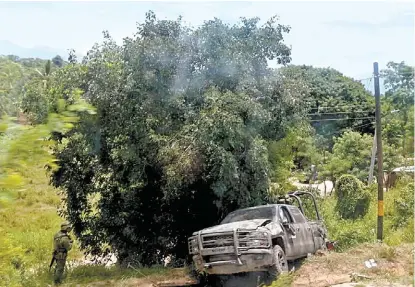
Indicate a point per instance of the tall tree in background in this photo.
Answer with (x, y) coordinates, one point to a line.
(179, 136)
(15, 73)
(10, 74)
(335, 102)
(399, 86)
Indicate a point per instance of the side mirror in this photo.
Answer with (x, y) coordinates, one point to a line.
(285, 222)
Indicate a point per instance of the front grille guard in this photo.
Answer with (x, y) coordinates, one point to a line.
(236, 244)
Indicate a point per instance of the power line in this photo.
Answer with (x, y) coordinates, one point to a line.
(341, 119)
(364, 79)
(335, 113)
(338, 106)
(352, 127)
(367, 87)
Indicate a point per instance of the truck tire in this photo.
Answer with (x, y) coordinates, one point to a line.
(280, 264)
(196, 275)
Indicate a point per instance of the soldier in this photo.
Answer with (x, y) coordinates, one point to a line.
(62, 243)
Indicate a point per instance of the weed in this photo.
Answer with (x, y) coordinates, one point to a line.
(388, 253)
(283, 281)
(350, 233)
(92, 273)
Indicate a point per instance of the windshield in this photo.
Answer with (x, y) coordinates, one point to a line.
(249, 214)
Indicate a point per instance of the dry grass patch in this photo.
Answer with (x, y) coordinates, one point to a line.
(394, 264)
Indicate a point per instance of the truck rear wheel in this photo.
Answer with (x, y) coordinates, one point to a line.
(279, 264)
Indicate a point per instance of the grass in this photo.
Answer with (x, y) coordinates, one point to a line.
(283, 281)
(394, 265)
(84, 275)
(350, 233)
(28, 221)
(388, 253)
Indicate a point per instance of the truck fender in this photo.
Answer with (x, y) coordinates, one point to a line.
(275, 229)
(279, 240)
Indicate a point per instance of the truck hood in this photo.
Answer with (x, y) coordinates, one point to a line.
(246, 224)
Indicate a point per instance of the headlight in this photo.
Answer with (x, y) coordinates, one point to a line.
(193, 245)
(258, 235)
(254, 243)
(257, 239)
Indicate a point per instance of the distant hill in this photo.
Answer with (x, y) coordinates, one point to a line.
(9, 48)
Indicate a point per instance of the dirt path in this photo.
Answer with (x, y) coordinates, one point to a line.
(324, 187)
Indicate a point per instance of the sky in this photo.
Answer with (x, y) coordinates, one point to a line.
(348, 36)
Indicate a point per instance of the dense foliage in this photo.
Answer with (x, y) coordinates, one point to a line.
(191, 124)
(399, 106)
(180, 134)
(335, 102)
(15, 72)
(22, 146)
(352, 198)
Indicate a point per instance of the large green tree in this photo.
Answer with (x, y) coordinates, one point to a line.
(335, 102)
(179, 138)
(15, 73)
(399, 96)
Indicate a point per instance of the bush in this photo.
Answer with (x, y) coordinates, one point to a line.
(352, 199)
(348, 233)
(351, 232)
(404, 205)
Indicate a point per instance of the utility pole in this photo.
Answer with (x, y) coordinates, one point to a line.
(379, 152)
(372, 160)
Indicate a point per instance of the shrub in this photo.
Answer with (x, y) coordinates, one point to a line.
(352, 199)
(351, 232)
(404, 205)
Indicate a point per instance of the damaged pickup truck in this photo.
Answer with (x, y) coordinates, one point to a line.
(261, 238)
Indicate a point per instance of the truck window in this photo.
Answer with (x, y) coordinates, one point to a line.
(266, 212)
(296, 214)
(284, 215)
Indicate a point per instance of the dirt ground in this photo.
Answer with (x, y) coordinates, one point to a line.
(395, 267)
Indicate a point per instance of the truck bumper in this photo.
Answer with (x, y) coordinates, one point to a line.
(256, 260)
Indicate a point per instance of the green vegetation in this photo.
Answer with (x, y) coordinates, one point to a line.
(15, 72)
(28, 221)
(352, 199)
(82, 275)
(284, 280)
(349, 233)
(188, 125)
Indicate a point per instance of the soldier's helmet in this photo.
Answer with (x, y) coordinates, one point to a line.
(66, 226)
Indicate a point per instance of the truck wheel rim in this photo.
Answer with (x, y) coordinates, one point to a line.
(281, 260)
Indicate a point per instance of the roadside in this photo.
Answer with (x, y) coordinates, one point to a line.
(394, 267)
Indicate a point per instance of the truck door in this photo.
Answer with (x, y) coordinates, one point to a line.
(304, 230)
(294, 238)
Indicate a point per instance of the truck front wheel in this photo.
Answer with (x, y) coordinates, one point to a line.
(279, 264)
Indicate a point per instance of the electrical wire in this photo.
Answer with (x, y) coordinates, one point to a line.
(335, 113)
(338, 106)
(353, 127)
(342, 119)
(364, 79)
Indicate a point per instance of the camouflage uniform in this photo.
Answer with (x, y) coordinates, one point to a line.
(62, 243)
